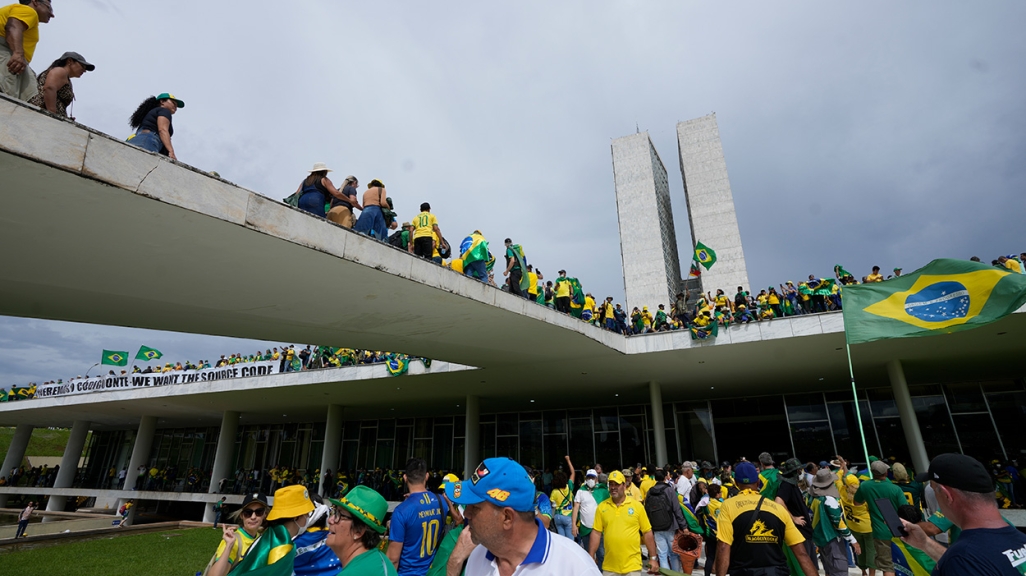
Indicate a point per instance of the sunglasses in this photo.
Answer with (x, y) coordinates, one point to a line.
(258, 512)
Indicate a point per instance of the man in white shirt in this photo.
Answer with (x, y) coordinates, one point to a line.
(499, 499)
(687, 480)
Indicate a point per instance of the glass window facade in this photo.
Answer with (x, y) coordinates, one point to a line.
(983, 420)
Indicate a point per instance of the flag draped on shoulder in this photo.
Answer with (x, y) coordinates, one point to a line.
(474, 248)
(146, 354)
(944, 296)
(114, 358)
(705, 255)
(910, 561)
(272, 554)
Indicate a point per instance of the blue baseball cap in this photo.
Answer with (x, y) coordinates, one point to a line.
(745, 473)
(501, 481)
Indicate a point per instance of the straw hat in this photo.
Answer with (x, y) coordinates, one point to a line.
(320, 167)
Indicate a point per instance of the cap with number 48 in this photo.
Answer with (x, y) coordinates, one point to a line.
(501, 481)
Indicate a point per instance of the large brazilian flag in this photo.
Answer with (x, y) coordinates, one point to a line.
(943, 297)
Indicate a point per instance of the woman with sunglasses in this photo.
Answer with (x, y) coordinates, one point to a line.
(287, 519)
(236, 542)
(354, 533)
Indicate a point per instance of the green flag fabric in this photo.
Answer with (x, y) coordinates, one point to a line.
(397, 364)
(705, 255)
(114, 358)
(944, 296)
(272, 554)
(146, 354)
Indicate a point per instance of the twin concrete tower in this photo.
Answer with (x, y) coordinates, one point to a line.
(648, 242)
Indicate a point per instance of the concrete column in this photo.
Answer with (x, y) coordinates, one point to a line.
(222, 457)
(140, 452)
(472, 443)
(15, 454)
(69, 465)
(913, 436)
(655, 394)
(332, 444)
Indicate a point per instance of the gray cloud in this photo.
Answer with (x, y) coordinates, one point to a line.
(856, 134)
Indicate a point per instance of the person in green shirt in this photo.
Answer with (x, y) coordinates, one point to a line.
(354, 532)
(880, 487)
(829, 531)
(769, 476)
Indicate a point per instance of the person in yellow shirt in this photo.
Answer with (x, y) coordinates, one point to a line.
(425, 230)
(533, 277)
(436, 257)
(647, 319)
(609, 314)
(876, 276)
(1011, 264)
(562, 293)
(856, 516)
(19, 34)
(750, 542)
(236, 542)
(589, 308)
(630, 489)
(618, 522)
(647, 482)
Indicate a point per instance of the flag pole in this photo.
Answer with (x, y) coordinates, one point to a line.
(855, 396)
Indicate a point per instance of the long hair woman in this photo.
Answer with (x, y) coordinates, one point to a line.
(235, 542)
(152, 123)
(55, 93)
(315, 190)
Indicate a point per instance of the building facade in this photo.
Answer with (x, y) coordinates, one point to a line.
(710, 203)
(648, 241)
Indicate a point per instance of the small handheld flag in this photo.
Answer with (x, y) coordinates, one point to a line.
(114, 358)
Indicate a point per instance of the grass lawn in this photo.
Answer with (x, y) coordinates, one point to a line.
(174, 553)
(44, 442)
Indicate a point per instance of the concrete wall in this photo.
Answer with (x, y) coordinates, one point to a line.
(648, 242)
(711, 203)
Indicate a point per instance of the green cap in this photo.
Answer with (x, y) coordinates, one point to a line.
(167, 96)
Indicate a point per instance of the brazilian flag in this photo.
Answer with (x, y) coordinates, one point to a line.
(944, 296)
(705, 255)
(474, 248)
(910, 561)
(705, 332)
(397, 364)
(272, 554)
(114, 358)
(146, 354)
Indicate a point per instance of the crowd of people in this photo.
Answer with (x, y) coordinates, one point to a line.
(289, 358)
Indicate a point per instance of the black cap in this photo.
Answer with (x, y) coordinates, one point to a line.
(960, 472)
(254, 497)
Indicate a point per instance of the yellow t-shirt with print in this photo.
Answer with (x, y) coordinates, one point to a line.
(28, 15)
(856, 516)
(243, 542)
(424, 225)
(621, 527)
(722, 301)
(589, 303)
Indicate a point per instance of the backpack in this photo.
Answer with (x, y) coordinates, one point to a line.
(657, 506)
(396, 239)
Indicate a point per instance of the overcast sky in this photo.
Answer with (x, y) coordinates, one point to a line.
(856, 133)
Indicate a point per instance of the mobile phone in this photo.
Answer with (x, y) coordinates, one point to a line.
(890, 515)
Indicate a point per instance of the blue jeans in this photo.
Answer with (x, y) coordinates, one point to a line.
(563, 525)
(478, 270)
(312, 202)
(600, 554)
(22, 525)
(147, 141)
(664, 545)
(372, 223)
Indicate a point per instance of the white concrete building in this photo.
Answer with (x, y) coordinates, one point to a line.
(711, 203)
(648, 242)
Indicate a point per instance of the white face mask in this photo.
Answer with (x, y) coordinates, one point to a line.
(590, 483)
